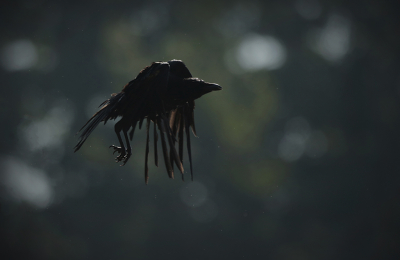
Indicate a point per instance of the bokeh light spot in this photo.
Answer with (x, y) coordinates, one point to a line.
(49, 131)
(257, 52)
(293, 143)
(19, 55)
(25, 183)
(333, 41)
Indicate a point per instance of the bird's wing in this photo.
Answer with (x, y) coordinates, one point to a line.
(182, 118)
(145, 91)
(146, 100)
(179, 69)
(137, 100)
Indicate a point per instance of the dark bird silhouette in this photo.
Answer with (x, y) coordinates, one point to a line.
(162, 93)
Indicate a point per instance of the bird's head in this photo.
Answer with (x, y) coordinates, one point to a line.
(196, 88)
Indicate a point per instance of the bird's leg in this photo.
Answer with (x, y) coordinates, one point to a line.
(128, 145)
(121, 150)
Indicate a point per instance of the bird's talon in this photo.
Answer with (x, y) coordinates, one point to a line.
(122, 153)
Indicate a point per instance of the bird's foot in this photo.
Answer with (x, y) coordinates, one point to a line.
(121, 152)
(123, 155)
(126, 157)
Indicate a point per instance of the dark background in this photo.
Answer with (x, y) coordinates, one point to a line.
(297, 157)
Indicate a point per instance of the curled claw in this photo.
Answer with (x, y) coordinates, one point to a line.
(126, 158)
(122, 153)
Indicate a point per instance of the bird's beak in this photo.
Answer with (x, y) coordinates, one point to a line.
(212, 87)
